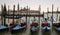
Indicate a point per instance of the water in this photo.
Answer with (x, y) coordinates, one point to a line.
(27, 32)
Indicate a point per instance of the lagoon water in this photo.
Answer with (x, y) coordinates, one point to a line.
(29, 21)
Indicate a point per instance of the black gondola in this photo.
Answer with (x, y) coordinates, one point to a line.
(34, 27)
(46, 26)
(18, 27)
(57, 25)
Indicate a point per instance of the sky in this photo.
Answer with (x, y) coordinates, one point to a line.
(33, 4)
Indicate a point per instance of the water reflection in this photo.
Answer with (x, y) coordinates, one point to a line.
(5, 33)
(46, 33)
(35, 33)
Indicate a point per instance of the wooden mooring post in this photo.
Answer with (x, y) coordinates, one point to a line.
(2, 14)
(57, 15)
(52, 16)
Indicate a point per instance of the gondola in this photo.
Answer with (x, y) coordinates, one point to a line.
(57, 25)
(33, 28)
(46, 27)
(18, 27)
(57, 28)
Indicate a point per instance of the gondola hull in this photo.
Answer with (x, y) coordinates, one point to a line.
(18, 28)
(34, 29)
(46, 28)
(57, 28)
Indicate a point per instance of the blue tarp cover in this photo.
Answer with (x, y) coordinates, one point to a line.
(3, 27)
(34, 29)
(17, 27)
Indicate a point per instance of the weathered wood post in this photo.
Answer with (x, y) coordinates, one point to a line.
(13, 11)
(29, 16)
(17, 13)
(20, 14)
(57, 15)
(27, 13)
(47, 12)
(39, 16)
(8, 12)
(2, 14)
(18, 7)
(52, 17)
(17, 10)
(43, 14)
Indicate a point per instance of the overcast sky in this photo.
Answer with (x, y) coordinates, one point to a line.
(33, 4)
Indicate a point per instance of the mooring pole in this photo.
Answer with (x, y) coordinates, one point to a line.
(27, 13)
(57, 15)
(18, 13)
(5, 12)
(8, 12)
(26, 18)
(47, 12)
(43, 14)
(52, 17)
(13, 12)
(39, 16)
(2, 14)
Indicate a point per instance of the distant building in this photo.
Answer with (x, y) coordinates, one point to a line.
(25, 11)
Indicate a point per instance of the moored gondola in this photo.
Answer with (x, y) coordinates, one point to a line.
(4, 28)
(34, 27)
(56, 25)
(19, 27)
(46, 26)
